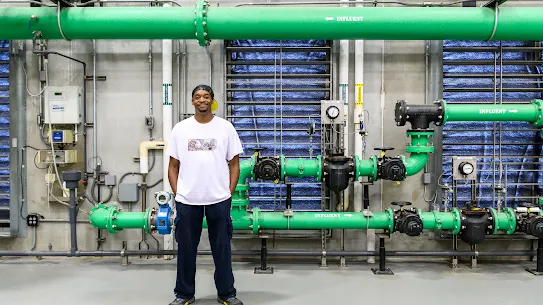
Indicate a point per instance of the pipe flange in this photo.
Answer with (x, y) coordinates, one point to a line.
(496, 221)
(256, 220)
(150, 220)
(390, 213)
(319, 168)
(200, 22)
(539, 110)
(111, 216)
(457, 221)
(442, 117)
(512, 220)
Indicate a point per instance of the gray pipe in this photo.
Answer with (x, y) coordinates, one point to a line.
(73, 217)
(270, 253)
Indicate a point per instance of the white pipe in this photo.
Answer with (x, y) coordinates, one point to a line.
(344, 96)
(145, 146)
(167, 121)
(358, 113)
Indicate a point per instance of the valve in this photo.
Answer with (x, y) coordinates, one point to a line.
(530, 221)
(390, 168)
(407, 220)
(267, 168)
(337, 172)
(476, 224)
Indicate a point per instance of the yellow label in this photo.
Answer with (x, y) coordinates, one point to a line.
(359, 92)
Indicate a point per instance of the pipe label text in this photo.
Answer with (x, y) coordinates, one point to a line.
(491, 111)
(345, 18)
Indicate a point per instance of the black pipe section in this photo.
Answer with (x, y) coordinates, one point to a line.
(272, 253)
(289, 196)
(366, 197)
(71, 178)
(420, 116)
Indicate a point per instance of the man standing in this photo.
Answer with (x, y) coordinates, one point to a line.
(203, 172)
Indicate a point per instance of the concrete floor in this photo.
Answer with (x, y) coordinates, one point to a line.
(83, 281)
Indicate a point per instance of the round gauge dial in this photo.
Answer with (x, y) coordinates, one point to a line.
(466, 168)
(332, 112)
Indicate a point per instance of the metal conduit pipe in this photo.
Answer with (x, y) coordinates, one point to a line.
(225, 23)
(270, 253)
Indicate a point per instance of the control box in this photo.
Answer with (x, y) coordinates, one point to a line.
(464, 168)
(61, 137)
(63, 105)
(332, 112)
(61, 156)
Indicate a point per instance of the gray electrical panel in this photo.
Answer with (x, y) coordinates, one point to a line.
(464, 168)
(332, 112)
(129, 192)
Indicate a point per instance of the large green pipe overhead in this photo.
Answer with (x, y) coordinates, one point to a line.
(531, 112)
(206, 23)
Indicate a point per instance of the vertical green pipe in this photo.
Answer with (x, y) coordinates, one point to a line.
(239, 197)
(419, 150)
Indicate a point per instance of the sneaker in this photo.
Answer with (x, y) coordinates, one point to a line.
(181, 301)
(230, 301)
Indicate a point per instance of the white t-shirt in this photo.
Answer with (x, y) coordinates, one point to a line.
(203, 151)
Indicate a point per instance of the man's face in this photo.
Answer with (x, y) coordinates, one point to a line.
(201, 100)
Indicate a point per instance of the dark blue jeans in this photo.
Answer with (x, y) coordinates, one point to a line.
(188, 228)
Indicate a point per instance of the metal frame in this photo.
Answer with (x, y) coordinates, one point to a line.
(498, 90)
(17, 101)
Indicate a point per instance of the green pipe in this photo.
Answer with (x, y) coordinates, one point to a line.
(299, 167)
(366, 168)
(505, 221)
(435, 220)
(239, 197)
(531, 113)
(220, 23)
(419, 150)
(112, 219)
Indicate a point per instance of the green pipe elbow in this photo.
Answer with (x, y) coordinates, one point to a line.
(419, 150)
(415, 163)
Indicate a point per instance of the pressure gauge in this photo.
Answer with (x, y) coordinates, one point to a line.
(466, 168)
(332, 112)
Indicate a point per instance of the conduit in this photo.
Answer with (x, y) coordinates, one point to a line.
(145, 146)
(333, 23)
(167, 118)
(122, 253)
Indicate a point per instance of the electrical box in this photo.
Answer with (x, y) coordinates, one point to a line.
(61, 137)
(110, 180)
(332, 112)
(61, 156)
(63, 105)
(129, 192)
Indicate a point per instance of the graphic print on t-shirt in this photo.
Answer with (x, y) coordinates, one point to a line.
(202, 144)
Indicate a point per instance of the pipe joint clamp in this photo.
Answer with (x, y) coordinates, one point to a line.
(200, 22)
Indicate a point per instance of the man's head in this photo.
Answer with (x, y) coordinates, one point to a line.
(202, 98)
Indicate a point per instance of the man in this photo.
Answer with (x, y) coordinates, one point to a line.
(203, 172)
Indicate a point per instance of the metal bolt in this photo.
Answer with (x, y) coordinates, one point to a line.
(463, 227)
(194, 22)
(440, 117)
(204, 23)
(205, 33)
(204, 12)
(463, 218)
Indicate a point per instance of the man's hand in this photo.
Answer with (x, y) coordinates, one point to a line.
(233, 165)
(173, 174)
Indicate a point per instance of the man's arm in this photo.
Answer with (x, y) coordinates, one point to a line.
(173, 173)
(234, 173)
